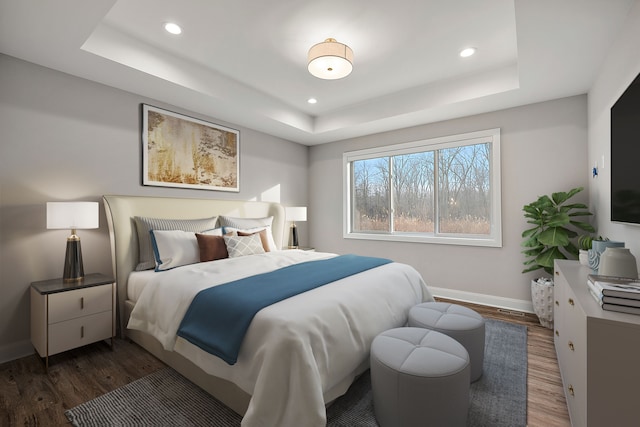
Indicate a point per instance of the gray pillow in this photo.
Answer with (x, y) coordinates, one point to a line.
(146, 260)
(238, 246)
(235, 222)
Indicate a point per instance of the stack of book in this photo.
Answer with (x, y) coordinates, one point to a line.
(615, 293)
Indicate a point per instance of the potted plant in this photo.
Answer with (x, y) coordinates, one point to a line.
(554, 227)
(584, 244)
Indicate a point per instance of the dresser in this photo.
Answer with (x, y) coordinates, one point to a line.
(66, 315)
(598, 353)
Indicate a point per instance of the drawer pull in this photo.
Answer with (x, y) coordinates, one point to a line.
(557, 303)
(571, 301)
(571, 392)
(81, 331)
(571, 347)
(557, 333)
(81, 303)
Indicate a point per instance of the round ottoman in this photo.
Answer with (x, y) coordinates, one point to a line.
(461, 323)
(419, 377)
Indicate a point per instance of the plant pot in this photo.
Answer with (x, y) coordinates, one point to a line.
(542, 299)
(583, 256)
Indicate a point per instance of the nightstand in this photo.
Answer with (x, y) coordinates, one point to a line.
(66, 315)
(304, 249)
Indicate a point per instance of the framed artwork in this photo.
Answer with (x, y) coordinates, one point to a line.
(181, 151)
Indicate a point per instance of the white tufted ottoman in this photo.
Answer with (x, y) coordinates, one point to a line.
(419, 377)
(461, 323)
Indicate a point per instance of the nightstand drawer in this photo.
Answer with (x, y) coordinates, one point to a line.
(80, 302)
(81, 331)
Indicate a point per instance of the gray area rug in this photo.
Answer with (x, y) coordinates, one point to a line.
(165, 398)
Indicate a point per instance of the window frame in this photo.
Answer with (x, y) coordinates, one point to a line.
(494, 239)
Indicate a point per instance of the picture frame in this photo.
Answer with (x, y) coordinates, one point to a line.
(185, 152)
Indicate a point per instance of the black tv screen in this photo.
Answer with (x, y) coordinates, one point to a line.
(625, 156)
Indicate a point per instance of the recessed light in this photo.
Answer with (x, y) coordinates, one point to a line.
(312, 101)
(467, 52)
(172, 28)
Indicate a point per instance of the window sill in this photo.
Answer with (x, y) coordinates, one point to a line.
(486, 241)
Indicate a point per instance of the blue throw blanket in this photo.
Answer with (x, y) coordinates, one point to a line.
(219, 317)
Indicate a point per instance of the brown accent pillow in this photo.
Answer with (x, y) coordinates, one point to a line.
(211, 247)
(263, 237)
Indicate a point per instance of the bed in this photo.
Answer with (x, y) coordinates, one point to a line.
(298, 354)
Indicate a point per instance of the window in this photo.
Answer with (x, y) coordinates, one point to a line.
(442, 190)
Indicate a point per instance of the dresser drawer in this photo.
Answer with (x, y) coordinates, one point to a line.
(80, 302)
(80, 331)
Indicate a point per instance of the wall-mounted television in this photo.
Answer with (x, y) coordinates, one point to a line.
(625, 156)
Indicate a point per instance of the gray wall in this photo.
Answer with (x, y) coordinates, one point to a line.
(65, 138)
(619, 69)
(544, 149)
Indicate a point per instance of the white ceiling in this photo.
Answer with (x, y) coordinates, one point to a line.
(245, 62)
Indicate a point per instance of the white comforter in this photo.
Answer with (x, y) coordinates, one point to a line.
(298, 353)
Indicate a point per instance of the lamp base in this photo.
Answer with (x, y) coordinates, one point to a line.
(73, 268)
(294, 237)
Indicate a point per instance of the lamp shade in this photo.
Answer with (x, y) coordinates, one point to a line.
(72, 215)
(330, 60)
(296, 213)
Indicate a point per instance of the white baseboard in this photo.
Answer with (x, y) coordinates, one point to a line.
(15, 351)
(483, 299)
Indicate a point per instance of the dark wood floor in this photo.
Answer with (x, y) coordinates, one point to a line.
(30, 397)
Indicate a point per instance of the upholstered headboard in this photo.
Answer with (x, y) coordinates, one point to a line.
(121, 210)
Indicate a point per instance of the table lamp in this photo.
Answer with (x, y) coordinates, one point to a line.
(294, 214)
(72, 216)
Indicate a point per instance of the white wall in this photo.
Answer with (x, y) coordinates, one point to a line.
(65, 138)
(621, 66)
(544, 149)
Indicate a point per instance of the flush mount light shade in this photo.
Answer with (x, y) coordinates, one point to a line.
(330, 60)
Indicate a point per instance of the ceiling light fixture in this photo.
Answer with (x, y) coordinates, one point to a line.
(330, 60)
(172, 28)
(312, 101)
(467, 52)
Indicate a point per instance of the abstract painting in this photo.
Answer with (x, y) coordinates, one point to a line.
(185, 152)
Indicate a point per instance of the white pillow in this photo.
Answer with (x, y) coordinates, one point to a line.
(174, 248)
(238, 246)
(145, 224)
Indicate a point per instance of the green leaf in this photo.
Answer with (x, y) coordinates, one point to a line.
(528, 233)
(583, 226)
(578, 206)
(558, 220)
(555, 236)
(546, 258)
